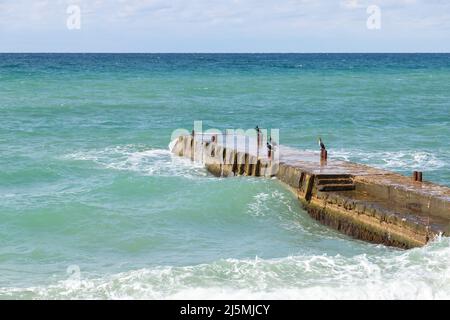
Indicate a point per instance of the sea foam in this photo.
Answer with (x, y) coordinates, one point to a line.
(422, 273)
(150, 162)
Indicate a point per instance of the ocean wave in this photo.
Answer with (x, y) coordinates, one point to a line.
(399, 160)
(261, 204)
(288, 211)
(421, 273)
(150, 162)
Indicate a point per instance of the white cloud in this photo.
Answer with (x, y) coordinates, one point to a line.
(351, 4)
(240, 20)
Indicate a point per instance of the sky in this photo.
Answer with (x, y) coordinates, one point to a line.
(225, 26)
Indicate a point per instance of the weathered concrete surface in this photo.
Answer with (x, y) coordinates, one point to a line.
(364, 202)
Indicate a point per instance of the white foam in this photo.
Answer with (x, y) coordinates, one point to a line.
(422, 273)
(151, 162)
(259, 206)
(399, 160)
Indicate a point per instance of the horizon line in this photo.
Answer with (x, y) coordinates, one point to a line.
(212, 52)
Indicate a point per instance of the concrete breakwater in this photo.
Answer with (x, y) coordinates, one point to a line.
(363, 202)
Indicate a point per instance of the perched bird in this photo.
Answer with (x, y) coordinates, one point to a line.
(322, 146)
(269, 150)
(258, 135)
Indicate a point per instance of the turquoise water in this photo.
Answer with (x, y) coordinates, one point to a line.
(93, 205)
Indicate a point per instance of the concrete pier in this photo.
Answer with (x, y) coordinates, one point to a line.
(363, 202)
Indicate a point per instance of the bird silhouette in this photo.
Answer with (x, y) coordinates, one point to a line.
(322, 146)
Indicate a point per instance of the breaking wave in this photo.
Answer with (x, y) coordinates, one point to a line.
(153, 162)
(399, 160)
(422, 273)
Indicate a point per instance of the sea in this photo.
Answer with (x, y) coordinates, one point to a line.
(94, 206)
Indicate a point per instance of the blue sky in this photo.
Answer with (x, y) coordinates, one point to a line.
(225, 26)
